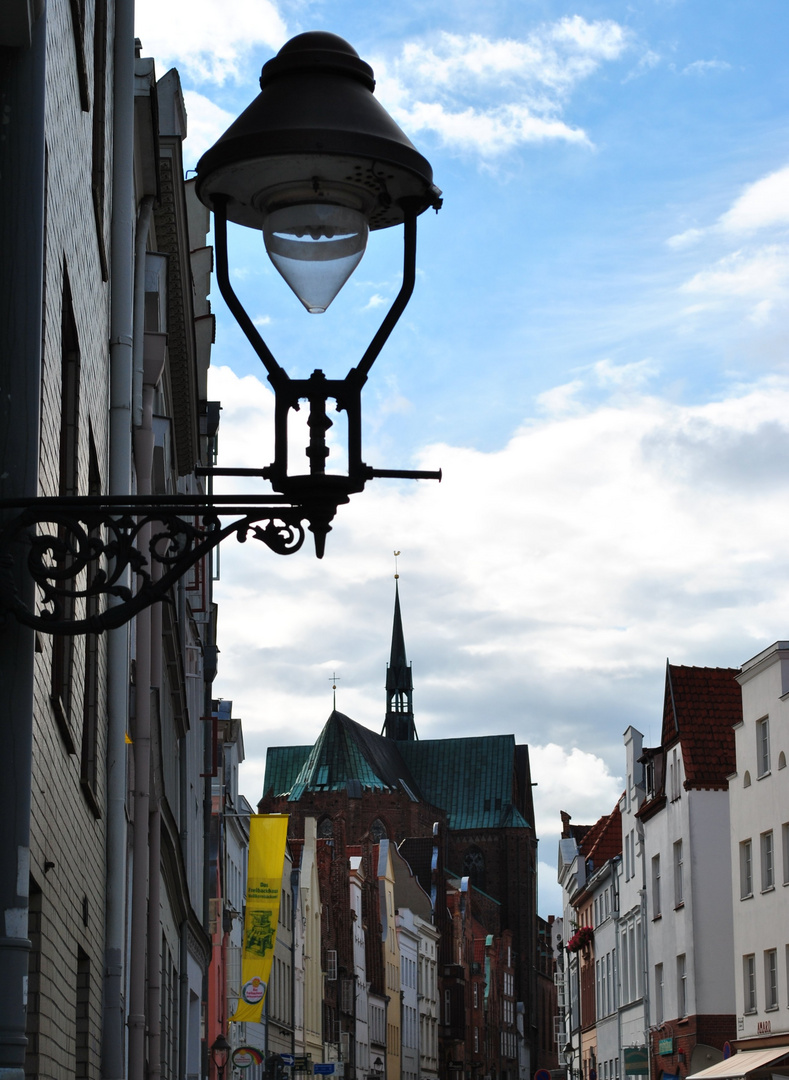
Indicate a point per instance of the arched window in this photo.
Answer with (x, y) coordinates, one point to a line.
(326, 829)
(474, 867)
(378, 831)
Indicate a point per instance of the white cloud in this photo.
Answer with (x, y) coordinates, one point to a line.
(701, 67)
(491, 95)
(764, 204)
(562, 775)
(686, 238)
(208, 39)
(760, 277)
(205, 122)
(560, 570)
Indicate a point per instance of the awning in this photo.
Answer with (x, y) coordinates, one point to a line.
(739, 1065)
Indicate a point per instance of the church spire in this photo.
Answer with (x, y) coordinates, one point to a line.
(399, 722)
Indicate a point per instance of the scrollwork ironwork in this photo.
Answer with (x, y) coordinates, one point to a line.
(126, 554)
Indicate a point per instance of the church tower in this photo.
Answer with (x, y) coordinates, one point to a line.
(399, 722)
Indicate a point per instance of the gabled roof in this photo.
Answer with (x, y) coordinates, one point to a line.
(607, 842)
(344, 753)
(700, 708)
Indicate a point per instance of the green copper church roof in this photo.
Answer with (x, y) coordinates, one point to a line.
(473, 780)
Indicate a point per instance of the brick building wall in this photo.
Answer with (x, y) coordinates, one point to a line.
(686, 1034)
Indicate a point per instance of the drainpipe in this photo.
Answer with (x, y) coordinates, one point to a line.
(146, 871)
(154, 936)
(154, 921)
(295, 879)
(617, 865)
(22, 164)
(118, 641)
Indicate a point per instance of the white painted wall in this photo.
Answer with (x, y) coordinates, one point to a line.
(759, 805)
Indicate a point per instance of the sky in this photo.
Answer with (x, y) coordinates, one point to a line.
(596, 355)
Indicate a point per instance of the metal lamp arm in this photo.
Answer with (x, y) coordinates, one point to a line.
(399, 303)
(277, 375)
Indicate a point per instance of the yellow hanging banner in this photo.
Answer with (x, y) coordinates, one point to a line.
(267, 837)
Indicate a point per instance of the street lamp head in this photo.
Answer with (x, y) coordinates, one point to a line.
(316, 162)
(220, 1049)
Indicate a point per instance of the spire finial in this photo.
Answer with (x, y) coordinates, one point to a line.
(334, 680)
(396, 573)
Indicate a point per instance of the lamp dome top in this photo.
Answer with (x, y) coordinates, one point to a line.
(318, 51)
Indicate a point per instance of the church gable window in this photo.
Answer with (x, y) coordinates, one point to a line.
(474, 867)
(378, 831)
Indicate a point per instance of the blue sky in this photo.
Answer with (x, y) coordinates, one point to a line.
(595, 354)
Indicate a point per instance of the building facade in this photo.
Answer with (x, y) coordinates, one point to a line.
(105, 338)
(759, 801)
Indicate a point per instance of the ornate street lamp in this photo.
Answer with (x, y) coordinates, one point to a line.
(316, 164)
(220, 1050)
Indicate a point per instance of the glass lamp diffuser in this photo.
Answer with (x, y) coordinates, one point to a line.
(315, 247)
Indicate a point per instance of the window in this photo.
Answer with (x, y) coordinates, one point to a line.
(749, 983)
(474, 867)
(785, 845)
(678, 876)
(331, 964)
(658, 993)
(763, 746)
(676, 783)
(746, 869)
(624, 953)
(62, 675)
(682, 986)
(602, 1001)
(91, 701)
(768, 864)
(378, 831)
(82, 1017)
(99, 126)
(656, 909)
(771, 979)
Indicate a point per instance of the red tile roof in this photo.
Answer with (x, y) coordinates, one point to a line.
(700, 707)
(607, 839)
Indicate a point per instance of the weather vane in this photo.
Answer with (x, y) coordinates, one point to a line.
(396, 573)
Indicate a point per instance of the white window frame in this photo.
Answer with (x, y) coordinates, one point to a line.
(331, 964)
(746, 869)
(749, 983)
(682, 986)
(768, 860)
(771, 979)
(656, 903)
(763, 746)
(658, 993)
(679, 883)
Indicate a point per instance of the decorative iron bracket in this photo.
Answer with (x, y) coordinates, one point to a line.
(81, 552)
